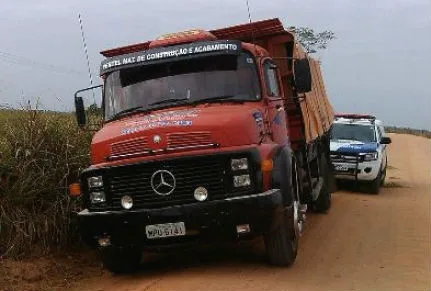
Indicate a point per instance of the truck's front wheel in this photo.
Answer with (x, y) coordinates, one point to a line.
(121, 260)
(282, 243)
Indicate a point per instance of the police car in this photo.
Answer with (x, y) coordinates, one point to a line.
(358, 149)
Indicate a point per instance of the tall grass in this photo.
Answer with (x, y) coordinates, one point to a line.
(40, 155)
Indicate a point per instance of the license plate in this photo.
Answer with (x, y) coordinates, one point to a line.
(340, 168)
(165, 230)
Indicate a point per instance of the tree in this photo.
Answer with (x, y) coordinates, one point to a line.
(313, 41)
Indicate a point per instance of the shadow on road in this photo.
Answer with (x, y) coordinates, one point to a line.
(244, 253)
(361, 187)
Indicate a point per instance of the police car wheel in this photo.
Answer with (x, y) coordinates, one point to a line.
(384, 174)
(374, 187)
(382, 182)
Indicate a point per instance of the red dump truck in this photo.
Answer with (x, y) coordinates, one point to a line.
(208, 136)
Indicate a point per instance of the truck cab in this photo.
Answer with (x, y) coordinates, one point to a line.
(359, 149)
(205, 139)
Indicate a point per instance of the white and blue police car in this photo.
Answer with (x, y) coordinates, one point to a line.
(358, 149)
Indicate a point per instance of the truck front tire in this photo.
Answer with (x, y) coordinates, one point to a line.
(282, 243)
(121, 260)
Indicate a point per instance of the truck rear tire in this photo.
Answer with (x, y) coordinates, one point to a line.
(121, 260)
(324, 201)
(282, 243)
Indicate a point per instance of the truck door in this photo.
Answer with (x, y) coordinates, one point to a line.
(275, 97)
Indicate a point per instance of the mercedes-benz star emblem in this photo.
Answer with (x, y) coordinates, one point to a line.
(157, 139)
(163, 182)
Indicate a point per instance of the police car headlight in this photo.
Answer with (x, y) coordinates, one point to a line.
(371, 156)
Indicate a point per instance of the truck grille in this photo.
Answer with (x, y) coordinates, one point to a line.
(175, 141)
(189, 139)
(135, 181)
(346, 158)
(131, 146)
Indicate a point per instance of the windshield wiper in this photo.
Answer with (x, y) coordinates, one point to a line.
(217, 98)
(128, 111)
(171, 100)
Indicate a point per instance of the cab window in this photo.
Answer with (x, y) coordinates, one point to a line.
(271, 76)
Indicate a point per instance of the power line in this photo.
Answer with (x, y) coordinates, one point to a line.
(24, 61)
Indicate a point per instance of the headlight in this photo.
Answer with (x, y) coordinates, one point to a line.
(127, 202)
(241, 181)
(95, 182)
(239, 164)
(97, 197)
(371, 156)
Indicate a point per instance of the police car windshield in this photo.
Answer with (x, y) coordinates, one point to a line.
(356, 132)
(165, 84)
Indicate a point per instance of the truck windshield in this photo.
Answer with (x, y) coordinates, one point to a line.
(356, 132)
(222, 78)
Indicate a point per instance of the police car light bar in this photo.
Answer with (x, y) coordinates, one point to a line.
(355, 116)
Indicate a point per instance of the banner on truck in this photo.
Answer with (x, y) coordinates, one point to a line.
(170, 52)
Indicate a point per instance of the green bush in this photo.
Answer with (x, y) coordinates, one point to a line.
(40, 155)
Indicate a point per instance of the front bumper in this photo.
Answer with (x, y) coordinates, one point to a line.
(363, 171)
(204, 221)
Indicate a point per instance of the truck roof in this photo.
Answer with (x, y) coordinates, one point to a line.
(311, 116)
(243, 32)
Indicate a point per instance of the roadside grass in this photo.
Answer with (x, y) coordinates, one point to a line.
(41, 153)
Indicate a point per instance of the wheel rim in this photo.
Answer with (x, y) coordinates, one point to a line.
(297, 224)
(296, 221)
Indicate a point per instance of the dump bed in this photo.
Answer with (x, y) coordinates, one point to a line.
(310, 115)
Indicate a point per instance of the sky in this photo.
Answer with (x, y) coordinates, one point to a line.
(380, 62)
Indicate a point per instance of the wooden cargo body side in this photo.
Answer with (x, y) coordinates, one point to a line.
(309, 115)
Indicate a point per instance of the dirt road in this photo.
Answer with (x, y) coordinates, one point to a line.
(366, 242)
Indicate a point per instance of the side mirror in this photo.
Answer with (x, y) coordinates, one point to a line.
(386, 140)
(80, 111)
(302, 75)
